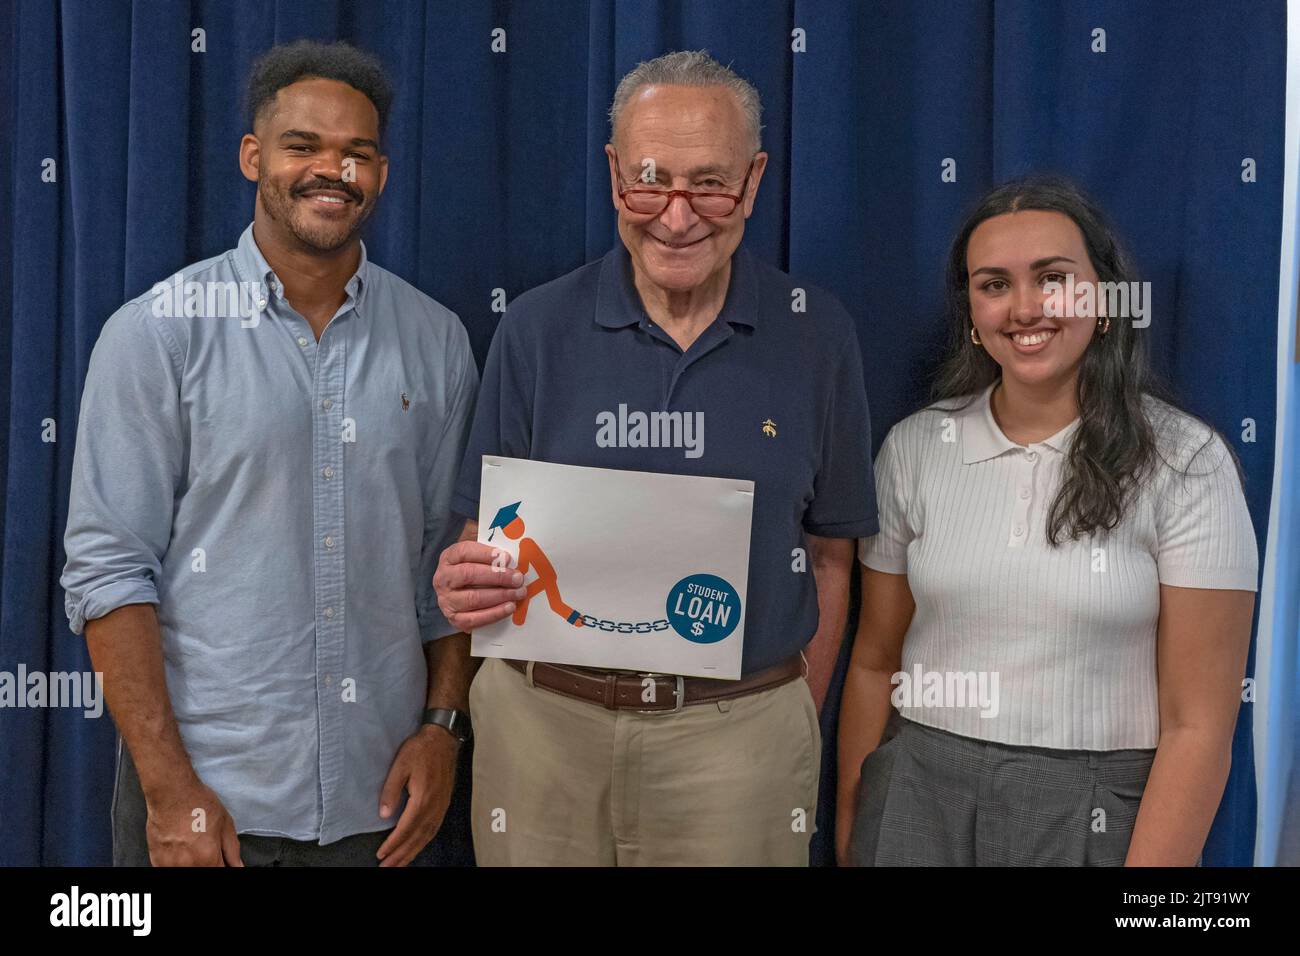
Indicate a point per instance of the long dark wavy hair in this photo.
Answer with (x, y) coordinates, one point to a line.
(1116, 445)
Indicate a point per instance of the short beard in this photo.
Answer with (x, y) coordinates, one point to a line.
(279, 206)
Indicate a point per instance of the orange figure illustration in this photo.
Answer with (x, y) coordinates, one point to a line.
(532, 556)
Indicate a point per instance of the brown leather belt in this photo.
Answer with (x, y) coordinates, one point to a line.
(625, 690)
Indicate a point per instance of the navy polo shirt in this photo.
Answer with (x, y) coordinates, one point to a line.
(779, 392)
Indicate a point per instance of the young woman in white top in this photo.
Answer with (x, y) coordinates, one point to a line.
(1057, 609)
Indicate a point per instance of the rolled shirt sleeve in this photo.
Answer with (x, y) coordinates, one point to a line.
(126, 468)
(441, 526)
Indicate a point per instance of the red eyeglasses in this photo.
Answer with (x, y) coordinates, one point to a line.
(652, 202)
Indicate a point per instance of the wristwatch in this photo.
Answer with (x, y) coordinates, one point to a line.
(455, 722)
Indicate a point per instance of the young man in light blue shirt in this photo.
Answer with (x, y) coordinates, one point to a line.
(264, 467)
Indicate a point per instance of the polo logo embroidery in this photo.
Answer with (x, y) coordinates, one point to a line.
(406, 403)
(769, 428)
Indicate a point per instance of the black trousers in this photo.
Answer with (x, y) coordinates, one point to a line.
(131, 847)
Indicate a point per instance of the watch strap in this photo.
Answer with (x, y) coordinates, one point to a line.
(455, 722)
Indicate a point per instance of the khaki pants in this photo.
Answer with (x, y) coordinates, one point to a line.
(563, 782)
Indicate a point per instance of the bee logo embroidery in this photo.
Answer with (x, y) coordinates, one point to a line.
(406, 403)
(769, 428)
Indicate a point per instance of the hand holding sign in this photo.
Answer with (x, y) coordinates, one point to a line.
(474, 587)
(531, 557)
(640, 571)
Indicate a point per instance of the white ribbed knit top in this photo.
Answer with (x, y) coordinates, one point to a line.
(1070, 631)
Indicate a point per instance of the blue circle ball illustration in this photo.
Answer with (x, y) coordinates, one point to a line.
(703, 608)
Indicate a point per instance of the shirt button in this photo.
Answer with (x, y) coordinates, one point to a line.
(1018, 530)
(328, 612)
(329, 541)
(302, 340)
(261, 303)
(328, 680)
(1024, 492)
(1031, 456)
(326, 404)
(328, 472)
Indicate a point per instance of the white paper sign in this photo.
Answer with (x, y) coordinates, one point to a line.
(625, 570)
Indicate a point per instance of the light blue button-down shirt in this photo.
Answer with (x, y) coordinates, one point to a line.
(283, 502)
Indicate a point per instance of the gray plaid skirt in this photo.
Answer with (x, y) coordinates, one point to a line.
(932, 798)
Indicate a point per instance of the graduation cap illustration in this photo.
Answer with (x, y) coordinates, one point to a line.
(504, 517)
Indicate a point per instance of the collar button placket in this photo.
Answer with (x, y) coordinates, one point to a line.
(328, 444)
(1024, 483)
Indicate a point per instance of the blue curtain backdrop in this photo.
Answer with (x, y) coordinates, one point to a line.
(498, 181)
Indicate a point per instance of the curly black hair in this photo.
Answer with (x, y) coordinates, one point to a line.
(288, 63)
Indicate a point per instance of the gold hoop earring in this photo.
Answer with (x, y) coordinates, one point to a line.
(1105, 326)
(975, 337)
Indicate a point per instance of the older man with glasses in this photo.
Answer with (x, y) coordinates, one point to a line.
(675, 317)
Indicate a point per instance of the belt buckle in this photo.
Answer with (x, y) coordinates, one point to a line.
(680, 692)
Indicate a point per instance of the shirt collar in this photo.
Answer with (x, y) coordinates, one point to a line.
(253, 267)
(982, 439)
(618, 304)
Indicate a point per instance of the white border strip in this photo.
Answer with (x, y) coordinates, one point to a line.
(1272, 777)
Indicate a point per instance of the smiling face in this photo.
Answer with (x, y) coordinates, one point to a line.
(695, 138)
(1008, 260)
(315, 156)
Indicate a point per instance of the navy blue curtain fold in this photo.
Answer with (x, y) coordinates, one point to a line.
(120, 165)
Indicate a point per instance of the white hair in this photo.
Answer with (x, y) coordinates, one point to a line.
(689, 68)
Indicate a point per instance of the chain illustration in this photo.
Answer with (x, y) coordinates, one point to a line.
(622, 627)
